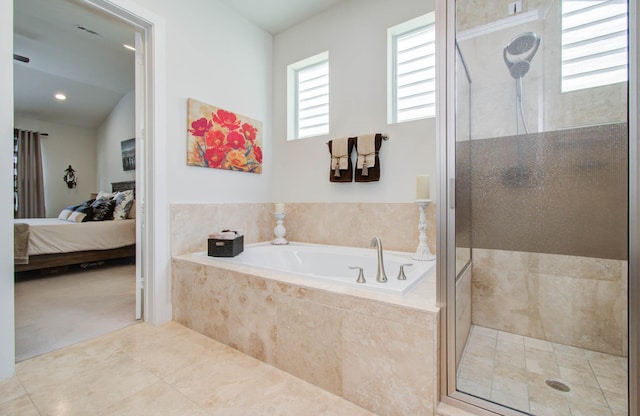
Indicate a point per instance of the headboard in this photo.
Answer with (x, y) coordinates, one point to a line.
(124, 186)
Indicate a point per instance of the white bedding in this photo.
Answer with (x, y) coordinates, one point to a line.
(51, 235)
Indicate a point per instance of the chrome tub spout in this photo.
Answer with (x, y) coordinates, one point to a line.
(381, 276)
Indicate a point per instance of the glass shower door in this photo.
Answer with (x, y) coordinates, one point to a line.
(541, 205)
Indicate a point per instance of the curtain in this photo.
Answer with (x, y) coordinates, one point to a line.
(28, 180)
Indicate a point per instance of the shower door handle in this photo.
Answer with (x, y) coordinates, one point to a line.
(452, 193)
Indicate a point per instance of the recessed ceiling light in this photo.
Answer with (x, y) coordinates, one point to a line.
(60, 96)
(131, 48)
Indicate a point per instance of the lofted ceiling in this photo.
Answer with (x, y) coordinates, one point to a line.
(94, 70)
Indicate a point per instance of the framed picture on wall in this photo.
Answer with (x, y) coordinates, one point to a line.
(128, 148)
(222, 139)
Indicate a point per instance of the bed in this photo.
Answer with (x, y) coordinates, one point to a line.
(41, 243)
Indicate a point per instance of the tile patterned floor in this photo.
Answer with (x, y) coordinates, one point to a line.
(167, 370)
(512, 369)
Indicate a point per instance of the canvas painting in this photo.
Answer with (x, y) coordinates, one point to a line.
(222, 139)
(128, 149)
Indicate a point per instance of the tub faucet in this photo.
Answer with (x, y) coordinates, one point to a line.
(381, 276)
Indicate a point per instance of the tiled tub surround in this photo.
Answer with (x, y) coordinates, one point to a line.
(344, 224)
(376, 350)
(569, 300)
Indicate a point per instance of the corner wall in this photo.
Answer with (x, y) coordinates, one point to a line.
(355, 35)
(65, 145)
(119, 126)
(215, 56)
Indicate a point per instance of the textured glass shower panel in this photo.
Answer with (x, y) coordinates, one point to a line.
(542, 194)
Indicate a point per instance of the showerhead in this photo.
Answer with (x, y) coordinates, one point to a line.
(514, 53)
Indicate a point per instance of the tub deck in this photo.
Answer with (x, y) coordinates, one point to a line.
(421, 297)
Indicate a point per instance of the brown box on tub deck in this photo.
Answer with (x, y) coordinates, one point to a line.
(225, 248)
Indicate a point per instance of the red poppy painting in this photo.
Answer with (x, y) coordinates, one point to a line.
(221, 139)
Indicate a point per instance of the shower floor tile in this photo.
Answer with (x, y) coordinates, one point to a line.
(512, 370)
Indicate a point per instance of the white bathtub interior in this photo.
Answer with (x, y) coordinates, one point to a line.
(331, 263)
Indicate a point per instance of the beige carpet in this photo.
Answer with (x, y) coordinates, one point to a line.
(58, 310)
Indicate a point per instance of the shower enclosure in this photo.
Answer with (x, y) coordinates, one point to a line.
(537, 294)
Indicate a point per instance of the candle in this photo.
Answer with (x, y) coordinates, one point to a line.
(422, 187)
(279, 208)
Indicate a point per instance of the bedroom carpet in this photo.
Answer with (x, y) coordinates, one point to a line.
(62, 309)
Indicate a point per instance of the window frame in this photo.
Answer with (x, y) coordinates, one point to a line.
(393, 33)
(565, 79)
(293, 84)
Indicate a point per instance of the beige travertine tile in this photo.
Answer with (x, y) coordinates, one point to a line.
(18, 406)
(11, 389)
(510, 380)
(211, 303)
(87, 389)
(500, 299)
(157, 399)
(581, 394)
(388, 367)
(309, 343)
(502, 380)
(354, 223)
(514, 401)
(588, 409)
(618, 401)
(253, 319)
(112, 375)
(476, 388)
(536, 289)
(191, 224)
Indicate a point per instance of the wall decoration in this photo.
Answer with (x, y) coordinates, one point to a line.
(128, 148)
(70, 177)
(223, 140)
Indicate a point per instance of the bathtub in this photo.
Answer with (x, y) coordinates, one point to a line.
(331, 263)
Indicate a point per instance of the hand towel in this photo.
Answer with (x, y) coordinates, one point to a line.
(366, 152)
(368, 159)
(343, 163)
(339, 155)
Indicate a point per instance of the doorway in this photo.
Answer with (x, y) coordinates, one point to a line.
(141, 110)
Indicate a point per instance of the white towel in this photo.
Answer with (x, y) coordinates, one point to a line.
(340, 153)
(366, 150)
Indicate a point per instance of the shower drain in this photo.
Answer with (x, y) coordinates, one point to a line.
(558, 385)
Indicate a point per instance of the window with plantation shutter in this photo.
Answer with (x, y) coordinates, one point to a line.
(309, 97)
(412, 70)
(594, 43)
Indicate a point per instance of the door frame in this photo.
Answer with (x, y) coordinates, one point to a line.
(153, 194)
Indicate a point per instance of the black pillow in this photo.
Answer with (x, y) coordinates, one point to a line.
(102, 210)
(82, 213)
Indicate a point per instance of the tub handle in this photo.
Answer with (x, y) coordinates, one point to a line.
(361, 278)
(401, 275)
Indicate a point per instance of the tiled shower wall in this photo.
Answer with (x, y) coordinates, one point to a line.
(570, 300)
(341, 224)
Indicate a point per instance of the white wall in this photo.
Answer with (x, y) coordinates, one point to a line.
(65, 145)
(7, 332)
(119, 126)
(355, 34)
(217, 57)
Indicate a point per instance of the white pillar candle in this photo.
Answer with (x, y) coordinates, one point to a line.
(422, 187)
(279, 207)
